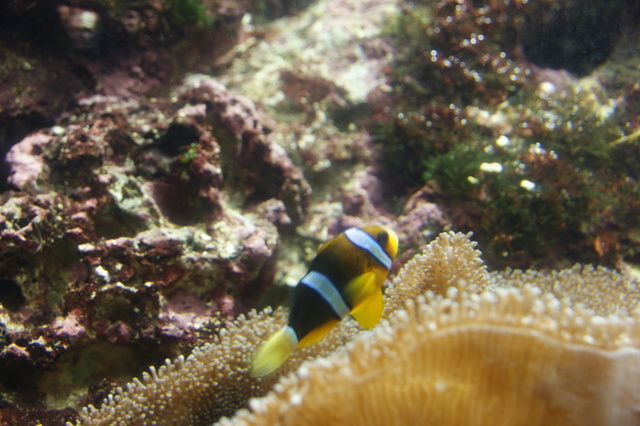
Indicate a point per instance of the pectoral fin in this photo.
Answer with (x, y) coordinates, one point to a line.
(317, 334)
(366, 298)
(274, 352)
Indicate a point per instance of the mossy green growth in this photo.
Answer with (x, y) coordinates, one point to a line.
(182, 14)
(556, 181)
(451, 51)
(525, 195)
(454, 170)
(189, 153)
(531, 168)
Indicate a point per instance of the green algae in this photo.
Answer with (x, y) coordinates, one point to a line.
(183, 14)
(531, 166)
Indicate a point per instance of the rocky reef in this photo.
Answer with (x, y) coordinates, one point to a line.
(166, 162)
(118, 235)
(57, 52)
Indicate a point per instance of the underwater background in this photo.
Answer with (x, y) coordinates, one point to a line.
(170, 165)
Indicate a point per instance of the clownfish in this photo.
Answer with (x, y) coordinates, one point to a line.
(345, 278)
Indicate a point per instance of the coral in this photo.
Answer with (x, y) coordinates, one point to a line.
(463, 355)
(420, 220)
(125, 232)
(25, 161)
(81, 26)
(258, 167)
(313, 77)
(56, 52)
(522, 156)
(446, 319)
(10, 415)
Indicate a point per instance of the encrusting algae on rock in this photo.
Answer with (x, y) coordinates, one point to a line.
(459, 345)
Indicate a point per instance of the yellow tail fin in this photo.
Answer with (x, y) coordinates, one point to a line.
(274, 352)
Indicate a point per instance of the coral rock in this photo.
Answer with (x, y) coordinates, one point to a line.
(116, 210)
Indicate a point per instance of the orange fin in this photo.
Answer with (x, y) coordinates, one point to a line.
(366, 298)
(317, 334)
(274, 352)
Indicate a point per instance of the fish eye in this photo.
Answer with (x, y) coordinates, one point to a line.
(383, 238)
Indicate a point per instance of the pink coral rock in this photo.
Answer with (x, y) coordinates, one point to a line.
(25, 161)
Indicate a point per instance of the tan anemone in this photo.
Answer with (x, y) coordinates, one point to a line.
(508, 355)
(604, 291)
(476, 348)
(209, 383)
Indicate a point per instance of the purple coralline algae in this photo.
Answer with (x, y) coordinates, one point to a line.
(121, 229)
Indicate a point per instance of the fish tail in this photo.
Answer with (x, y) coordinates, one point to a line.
(274, 352)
